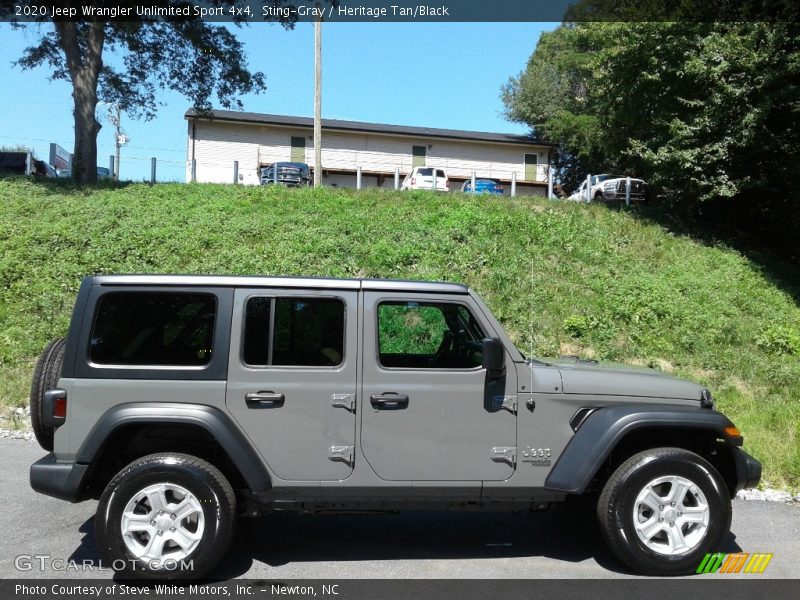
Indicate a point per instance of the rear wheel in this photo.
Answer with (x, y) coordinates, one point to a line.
(662, 510)
(45, 377)
(166, 516)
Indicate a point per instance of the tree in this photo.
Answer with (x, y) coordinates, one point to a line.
(705, 111)
(193, 57)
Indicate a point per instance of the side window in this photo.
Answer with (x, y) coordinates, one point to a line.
(294, 332)
(153, 328)
(428, 335)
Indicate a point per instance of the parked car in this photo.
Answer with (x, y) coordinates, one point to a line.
(611, 187)
(182, 402)
(483, 186)
(292, 174)
(421, 178)
(102, 173)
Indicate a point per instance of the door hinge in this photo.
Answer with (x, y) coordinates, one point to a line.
(343, 453)
(504, 453)
(347, 401)
(508, 403)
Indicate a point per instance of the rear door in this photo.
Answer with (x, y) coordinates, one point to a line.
(430, 412)
(292, 379)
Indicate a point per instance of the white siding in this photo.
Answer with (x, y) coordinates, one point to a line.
(217, 144)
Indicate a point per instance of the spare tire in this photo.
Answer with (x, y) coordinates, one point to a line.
(45, 377)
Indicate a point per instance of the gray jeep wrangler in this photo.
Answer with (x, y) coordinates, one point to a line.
(184, 402)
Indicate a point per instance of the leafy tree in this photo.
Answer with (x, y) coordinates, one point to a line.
(707, 112)
(198, 59)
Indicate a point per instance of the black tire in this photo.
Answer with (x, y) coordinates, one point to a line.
(45, 377)
(202, 479)
(617, 503)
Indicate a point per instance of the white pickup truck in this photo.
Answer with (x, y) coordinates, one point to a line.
(610, 187)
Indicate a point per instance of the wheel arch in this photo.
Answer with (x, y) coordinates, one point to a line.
(612, 434)
(128, 431)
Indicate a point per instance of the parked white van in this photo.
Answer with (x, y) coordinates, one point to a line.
(422, 178)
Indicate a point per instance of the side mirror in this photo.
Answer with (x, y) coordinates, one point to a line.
(493, 357)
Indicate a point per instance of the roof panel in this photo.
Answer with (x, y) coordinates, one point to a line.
(340, 125)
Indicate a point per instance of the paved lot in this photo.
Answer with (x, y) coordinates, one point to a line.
(563, 542)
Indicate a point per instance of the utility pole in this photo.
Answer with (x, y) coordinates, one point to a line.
(318, 101)
(119, 136)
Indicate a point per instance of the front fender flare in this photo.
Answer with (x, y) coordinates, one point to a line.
(211, 419)
(603, 430)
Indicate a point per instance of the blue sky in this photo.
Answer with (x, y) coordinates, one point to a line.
(427, 74)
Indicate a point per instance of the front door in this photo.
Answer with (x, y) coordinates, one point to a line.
(430, 411)
(292, 379)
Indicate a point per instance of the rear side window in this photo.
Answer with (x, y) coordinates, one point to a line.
(439, 173)
(294, 332)
(153, 328)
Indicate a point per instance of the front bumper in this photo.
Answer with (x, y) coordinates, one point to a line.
(60, 480)
(748, 470)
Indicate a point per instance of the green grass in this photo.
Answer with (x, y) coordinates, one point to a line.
(563, 278)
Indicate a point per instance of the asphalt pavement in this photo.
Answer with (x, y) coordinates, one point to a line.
(563, 542)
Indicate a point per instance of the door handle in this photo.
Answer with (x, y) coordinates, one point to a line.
(389, 401)
(264, 400)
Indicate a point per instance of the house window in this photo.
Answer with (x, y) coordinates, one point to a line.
(531, 167)
(298, 149)
(418, 156)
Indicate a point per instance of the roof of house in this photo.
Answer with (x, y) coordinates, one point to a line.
(358, 126)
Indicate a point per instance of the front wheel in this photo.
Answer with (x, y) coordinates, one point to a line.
(165, 516)
(663, 509)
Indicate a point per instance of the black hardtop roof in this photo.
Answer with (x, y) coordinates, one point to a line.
(280, 282)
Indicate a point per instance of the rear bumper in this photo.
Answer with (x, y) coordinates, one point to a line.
(748, 470)
(60, 480)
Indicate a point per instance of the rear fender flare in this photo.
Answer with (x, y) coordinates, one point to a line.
(212, 420)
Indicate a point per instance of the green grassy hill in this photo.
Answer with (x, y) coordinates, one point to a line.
(563, 278)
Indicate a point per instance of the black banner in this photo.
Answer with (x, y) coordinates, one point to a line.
(245, 11)
(732, 588)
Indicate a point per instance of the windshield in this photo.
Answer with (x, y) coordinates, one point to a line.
(601, 178)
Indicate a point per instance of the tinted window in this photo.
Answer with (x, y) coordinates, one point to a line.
(153, 328)
(425, 172)
(428, 336)
(439, 173)
(294, 332)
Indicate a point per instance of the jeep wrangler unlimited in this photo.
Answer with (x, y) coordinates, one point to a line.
(183, 402)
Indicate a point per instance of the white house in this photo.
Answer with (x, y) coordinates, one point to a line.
(218, 138)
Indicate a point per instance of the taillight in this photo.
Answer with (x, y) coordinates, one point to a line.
(54, 407)
(60, 408)
(413, 181)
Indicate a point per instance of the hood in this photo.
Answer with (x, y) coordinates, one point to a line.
(590, 377)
